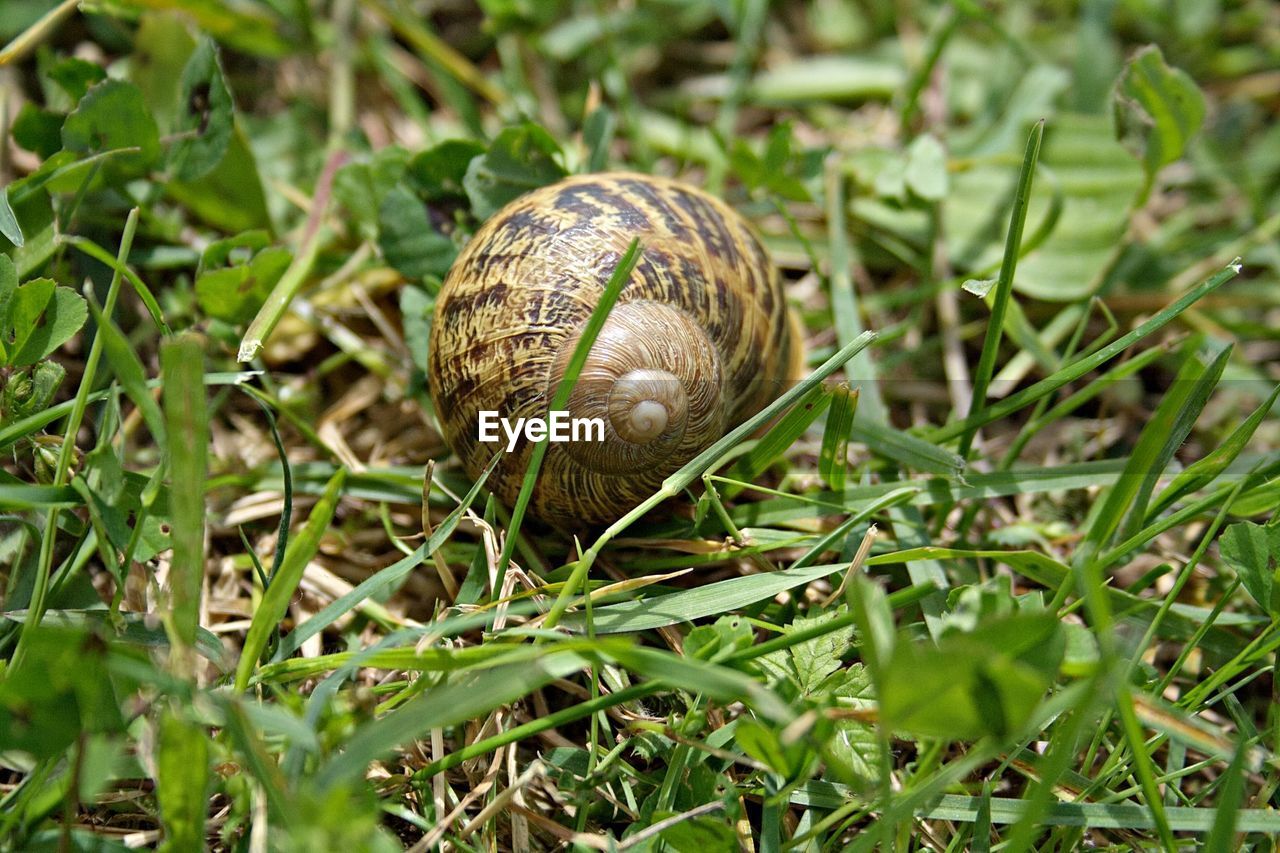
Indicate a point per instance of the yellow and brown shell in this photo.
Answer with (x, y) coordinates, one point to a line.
(699, 340)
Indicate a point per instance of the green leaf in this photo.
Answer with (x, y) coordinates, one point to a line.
(987, 681)
(182, 781)
(855, 742)
(162, 46)
(408, 240)
(522, 158)
(230, 197)
(361, 186)
(1097, 816)
(415, 313)
(1157, 109)
(28, 393)
(762, 743)
(1230, 796)
(693, 835)
(254, 29)
(1253, 551)
(467, 698)
(206, 116)
(230, 251)
(1096, 183)
(833, 456)
(187, 429)
(9, 227)
(112, 116)
(38, 130)
(1160, 439)
(42, 317)
(8, 288)
(129, 371)
(808, 664)
(75, 76)
(597, 135)
(1208, 468)
(275, 601)
(235, 294)
(833, 78)
(60, 690)
(782, 435)
(438, 172)
(926, 171)
(706, 600)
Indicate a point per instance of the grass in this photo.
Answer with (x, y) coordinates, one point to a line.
(999, 573)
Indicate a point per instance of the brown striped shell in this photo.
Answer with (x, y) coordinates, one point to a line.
(699, 340)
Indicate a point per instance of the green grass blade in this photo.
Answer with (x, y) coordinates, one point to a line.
(1230, 795)
(782, 436)
(470, 697)
(833, 457)
(1006, 810)
(186, 424)
(1205, 470)
(276, 598)
(182, 781)
(908, 449)
(708, 600)
(383, 579)
(128, 369)
(1004, 285)
(1082, 366)
(1160, 438)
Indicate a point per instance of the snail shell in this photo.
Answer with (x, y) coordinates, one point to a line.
(699, 340)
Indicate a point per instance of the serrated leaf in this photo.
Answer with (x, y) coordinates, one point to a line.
(809, 663)
(206, 116)
(521, 159)
(1157, 109)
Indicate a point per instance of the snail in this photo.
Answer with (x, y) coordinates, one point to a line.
(700, 338)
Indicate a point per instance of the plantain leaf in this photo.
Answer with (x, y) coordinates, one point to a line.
(1157, 109)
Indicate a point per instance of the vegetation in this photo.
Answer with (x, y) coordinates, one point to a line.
(1011, 582)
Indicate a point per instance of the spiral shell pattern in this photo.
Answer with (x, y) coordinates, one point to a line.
(699, 340)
